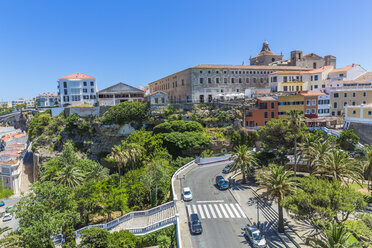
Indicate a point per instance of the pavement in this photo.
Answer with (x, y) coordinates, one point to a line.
(13, 223)
(221, 215)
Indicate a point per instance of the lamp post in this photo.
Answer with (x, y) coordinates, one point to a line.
(258, 213)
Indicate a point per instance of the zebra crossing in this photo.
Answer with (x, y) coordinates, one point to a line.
(216, 211)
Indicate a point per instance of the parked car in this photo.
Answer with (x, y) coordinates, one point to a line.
(195, 225)
(254, 235)
(227, 169)
(7, 217)
(186, 194)
(221, 182)
(9, 208)
(2, 203)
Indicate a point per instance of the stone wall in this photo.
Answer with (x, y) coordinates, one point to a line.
(364, 131)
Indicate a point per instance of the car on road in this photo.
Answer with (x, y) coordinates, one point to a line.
(195, 224)
(227, 169)
(7, 217)
(186, 194)
(9, 208)
(221, 183)
(254, 235)
(2, 203)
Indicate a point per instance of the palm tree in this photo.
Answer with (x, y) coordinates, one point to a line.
(340, 166)
(278, 184)
(10, 240)
(119, 157)
(244, 161)
(367, 162)
(70, 176)
(296, 120)
(336, 236)
(307, 150)
(318, 151)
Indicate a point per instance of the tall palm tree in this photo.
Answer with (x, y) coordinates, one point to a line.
(278, 184)
(307, 151)
(318, 151)
(336, 236)
(340, 166)
(367, 162)
(296, 120)
(244, 161)
(70, 176)
(10, 240)
(119, 157)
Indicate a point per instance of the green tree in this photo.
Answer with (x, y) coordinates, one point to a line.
(244, 160)
(367, 162)
(348, 139)
(10, 240)
(340, 166)
(319, 151)
(70, 176)
(322, 199)
(275, 134)
(126, 112)
(123, 239)
(4, 192)
(207, 154)
(336, 236)
(179, 143)
(95, 237)
(296, 121)
(87, 204)
(178, 126)
(278, 184)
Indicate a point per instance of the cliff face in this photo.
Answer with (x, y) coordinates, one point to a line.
(364, 131)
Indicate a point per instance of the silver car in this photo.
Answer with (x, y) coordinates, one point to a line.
(254, 235)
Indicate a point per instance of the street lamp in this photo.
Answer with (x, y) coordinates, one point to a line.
(258, 213)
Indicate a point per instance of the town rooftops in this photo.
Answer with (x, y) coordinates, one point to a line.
(120, 87)
(346, 68)
(48, 95)
(313, 93)
(267, 98)
(319, 70)
(77, 75)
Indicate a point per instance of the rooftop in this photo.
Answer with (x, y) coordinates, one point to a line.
(48, 94)
(313, 93)
(249, 67)
(346, 68)
(77, 75)
(120, 87)
(266, 98)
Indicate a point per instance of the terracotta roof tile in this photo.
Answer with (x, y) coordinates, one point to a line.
(78, 75)
(346, 68)
(313, 93)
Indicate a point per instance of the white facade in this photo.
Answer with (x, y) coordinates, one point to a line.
(324, 105)
(12, 104)
(77, 89)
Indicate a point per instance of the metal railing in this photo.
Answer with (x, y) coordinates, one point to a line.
(153, 227)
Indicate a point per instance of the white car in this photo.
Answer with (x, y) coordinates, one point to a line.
(186, 194)
(7, 217)
(253, 233)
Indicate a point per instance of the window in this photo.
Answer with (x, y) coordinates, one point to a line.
(64, 85)
(225, 80)
(240, 80)
(311, 78)
(162, 100)
(261, 80)
(156, 100)
(316, 77)
(323, 86)
(201, 98)
(307, 102)
(201, 80)
(353, 103)
(333, 113)
(65, 92)
(272, 114)
(85, 90)
(338, 113)
(272, 59)
(345, 94)
(209, 72)
(345, 103)
(85, 83)
(91, 83)
(354, 112)
(216, 72)
(232, 72)
(209, 80)
(335, 105)
(183, 82)
(364, 94)
(249, 114)
(364, 102)
(285, 79)
(254, 80)
(353, 94)
(266, 115)
(201, 72)
(314, 65)
(247, 80)
(232, 80)
(313, 102)
(224, 72)
(285, 88)
(92, 90)
(369, 113)
(313, 111)
(217, 80)
(307, 111)
(341, 75)
(316, 86)
(272, 105)
(335, 95)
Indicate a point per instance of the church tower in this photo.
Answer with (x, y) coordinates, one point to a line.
(266, 56)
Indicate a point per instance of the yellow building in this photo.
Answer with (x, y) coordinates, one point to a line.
(360, 113)
(290, 102)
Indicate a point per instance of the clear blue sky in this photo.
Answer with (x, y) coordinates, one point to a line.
(137, 42)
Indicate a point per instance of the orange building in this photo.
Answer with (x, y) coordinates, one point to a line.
(265, 110)
(311, 103)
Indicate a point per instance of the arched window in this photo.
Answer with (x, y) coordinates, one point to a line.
(273, 59)
(314, 65)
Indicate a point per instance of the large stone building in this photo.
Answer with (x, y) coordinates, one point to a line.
(208, 83)
(76, 89)
(266, 56)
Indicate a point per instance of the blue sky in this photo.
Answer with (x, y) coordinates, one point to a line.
(137, 42)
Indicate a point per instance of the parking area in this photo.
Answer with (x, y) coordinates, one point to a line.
(13, 223)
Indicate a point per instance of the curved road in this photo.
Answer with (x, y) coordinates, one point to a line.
(217, 232)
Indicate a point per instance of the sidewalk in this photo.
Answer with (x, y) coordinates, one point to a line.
(243, 193)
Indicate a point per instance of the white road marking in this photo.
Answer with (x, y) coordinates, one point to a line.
(189, 211)
(240, 210)
(212, 211)
(218, 210)
(216, 201)
(194, 208)
(201, 212)
(235, 211)
(224, 211)
(229, 210)
(206, 211)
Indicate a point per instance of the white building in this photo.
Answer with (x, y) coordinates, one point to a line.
(47, 100)
(324, 104)
(76, 89)
(118, 93)
(12, 104)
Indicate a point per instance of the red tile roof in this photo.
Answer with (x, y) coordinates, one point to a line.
(346, 68)
(319, 70)
(313, 93)
(48, 94)
(78, 75)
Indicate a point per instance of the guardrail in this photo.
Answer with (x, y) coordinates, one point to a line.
(175, 176)
(111, 224)
(206, 161)
(153, 227)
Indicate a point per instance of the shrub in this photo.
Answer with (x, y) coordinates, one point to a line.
(126, 112)
(178, 126)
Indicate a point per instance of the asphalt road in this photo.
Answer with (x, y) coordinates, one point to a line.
(14, 222)
(217, 232)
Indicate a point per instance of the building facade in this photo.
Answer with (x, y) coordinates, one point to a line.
(266, 56)
(361, 113)
(265, 110)
(118, 93)
(311, 99)
(76, 89)
(290, 102)
(324, 105)
(47, 100)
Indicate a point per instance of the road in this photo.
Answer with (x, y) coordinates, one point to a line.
(221, 216)
(14, 222)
